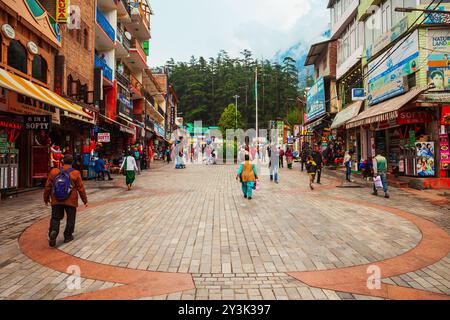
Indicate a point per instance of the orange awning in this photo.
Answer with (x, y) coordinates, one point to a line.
(384, 111)
(20, 85)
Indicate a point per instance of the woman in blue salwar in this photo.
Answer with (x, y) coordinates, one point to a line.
(248, 176)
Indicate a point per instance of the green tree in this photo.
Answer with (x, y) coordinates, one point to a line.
(228, 119)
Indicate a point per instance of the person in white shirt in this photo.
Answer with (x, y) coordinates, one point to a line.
(129, 169)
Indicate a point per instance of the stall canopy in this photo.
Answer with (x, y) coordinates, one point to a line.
(27, 88)
(346, 115)
(384, 111)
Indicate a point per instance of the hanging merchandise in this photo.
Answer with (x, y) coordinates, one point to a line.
(444, 152)
(56, 156)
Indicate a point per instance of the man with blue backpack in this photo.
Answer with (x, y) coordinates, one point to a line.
(61, 191)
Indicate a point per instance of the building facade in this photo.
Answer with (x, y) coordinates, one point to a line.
(35, 112)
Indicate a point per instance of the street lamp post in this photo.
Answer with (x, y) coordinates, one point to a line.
(236, 97)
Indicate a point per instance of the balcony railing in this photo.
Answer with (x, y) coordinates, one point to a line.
(136, 45)
(126, 5)
(107, 71)
(123, 78)
(141, 8)
(121, 37)
(136, 83)
(161, 111)
(105, 25)
(149, 97)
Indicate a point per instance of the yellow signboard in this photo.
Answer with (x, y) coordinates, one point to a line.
(62, 11)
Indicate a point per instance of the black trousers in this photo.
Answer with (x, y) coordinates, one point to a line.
(303, 165)
(319, 174)
(281, 162)
(58, 215)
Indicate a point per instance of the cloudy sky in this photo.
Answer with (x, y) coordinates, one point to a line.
(181, 28)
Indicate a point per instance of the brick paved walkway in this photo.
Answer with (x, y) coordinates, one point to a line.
(193, 228)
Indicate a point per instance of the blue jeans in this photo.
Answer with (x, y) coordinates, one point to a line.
(383, 176)
(247, 188)
(348, 172)
(274, 173)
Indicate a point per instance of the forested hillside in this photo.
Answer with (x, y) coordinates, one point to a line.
(206, 87)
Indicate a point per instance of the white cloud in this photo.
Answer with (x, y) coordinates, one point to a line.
(182, 28)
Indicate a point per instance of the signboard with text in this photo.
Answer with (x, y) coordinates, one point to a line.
(315, 106)
(388, 76)
(438, 59)
(104, 137)
(37, 122)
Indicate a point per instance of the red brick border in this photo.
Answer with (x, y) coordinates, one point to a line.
(434, 246)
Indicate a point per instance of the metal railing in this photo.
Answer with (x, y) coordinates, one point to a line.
(123, 39)
(107, 71)
(105, 25)
(136, 83)
(123, 78)
(136, 45)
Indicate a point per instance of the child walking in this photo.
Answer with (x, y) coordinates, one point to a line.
(311, 168)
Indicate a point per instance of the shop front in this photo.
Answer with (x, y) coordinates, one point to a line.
(43, 114)
(404, 133)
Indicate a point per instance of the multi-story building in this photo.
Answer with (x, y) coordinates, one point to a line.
(321, 97)
(348, 31)
(406, 79)
(36, 113)
(121, 50)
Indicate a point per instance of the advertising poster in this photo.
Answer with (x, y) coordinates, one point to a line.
(444, 152)
(445, 120)
(438, 60)
(425, 159)
(387, 76)
(315, 106)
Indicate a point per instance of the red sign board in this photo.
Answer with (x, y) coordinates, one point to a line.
(445, 120)
(412, 117)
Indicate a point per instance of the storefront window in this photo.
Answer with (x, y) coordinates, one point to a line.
(17, 56)
(39, 71)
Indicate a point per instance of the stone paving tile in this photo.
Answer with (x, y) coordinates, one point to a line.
(235, 249)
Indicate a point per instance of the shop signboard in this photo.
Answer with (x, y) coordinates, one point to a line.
(444, 152)
(438, 18)
(414, 117)
(37, 122)
(20, 104)
(315, 106)
(62, 11)
(438, 59)
(425, 159)
(387, 77)
(358, 94)
(104, 137)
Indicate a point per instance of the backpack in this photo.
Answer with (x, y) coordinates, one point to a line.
(62, 185)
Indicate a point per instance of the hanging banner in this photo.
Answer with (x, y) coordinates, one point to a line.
(62, 11)
(315, 106)
(104, 137)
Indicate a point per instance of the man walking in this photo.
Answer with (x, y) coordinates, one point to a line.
(318, 159)
(61, 190)
(380, 169)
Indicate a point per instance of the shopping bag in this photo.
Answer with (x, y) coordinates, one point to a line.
(378, 183)
(257, 186)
